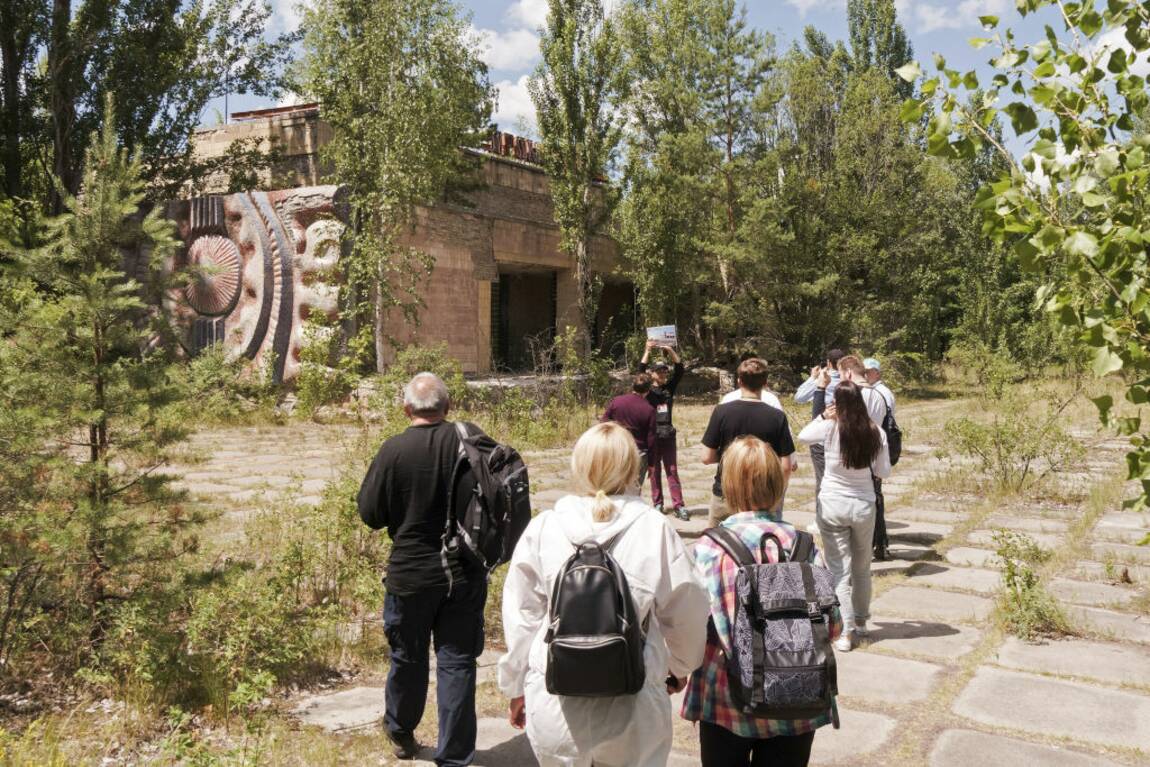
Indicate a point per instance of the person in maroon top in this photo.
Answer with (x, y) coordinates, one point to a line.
(634, 412)
(664, 382)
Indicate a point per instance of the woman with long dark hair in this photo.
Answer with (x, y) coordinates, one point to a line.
(856, 453)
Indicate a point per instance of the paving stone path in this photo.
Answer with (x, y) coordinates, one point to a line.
(937, 682)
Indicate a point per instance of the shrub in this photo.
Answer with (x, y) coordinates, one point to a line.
(415, 359)
(1014, 448)
(1028, 611)
(325, 376)
(222, 389)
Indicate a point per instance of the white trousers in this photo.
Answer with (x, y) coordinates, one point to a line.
(847, 528)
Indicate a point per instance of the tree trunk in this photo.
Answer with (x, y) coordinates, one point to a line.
(12, 61)
(585, 301)
(61, 100)
(98, 493)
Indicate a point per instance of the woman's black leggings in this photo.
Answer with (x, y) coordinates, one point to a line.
(722, 748)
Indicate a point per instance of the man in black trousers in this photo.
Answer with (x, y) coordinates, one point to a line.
(429, 592)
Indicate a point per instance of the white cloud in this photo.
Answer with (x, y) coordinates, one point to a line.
(510, 49)
(1115, 39)
(931, 18)
(514, 111)
(285, 16)
(803, 6)
(529, 13)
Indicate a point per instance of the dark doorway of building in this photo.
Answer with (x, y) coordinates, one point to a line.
(523, 325)
(615, 321)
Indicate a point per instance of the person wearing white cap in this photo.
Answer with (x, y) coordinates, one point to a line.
(874, 379)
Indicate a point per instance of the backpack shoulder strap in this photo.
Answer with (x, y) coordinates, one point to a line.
(731, 543)
(802, 547)
(462, 430)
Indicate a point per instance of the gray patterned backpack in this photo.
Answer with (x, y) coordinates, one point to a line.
(781, 664)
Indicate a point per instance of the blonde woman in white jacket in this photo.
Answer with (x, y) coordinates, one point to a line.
(624, 731)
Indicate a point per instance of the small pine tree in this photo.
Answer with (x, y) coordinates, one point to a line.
(79, 365)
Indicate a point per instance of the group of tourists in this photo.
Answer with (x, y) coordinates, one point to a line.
(606, 613)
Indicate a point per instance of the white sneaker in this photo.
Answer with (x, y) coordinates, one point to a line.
(843, 643)
(861, 630)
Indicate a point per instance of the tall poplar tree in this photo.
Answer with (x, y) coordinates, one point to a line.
(878, 40)
(578, 90)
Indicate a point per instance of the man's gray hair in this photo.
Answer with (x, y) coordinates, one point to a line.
(425, 394)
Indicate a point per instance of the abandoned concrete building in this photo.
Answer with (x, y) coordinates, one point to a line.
(499, 290)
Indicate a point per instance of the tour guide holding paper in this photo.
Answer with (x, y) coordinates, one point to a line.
(664, 455)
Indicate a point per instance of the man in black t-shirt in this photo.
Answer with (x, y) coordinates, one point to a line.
(742, 417)
(428, 592)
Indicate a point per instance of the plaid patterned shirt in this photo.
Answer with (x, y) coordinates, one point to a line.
(708, 695)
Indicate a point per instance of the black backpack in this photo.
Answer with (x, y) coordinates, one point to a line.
(491, 521)
(893, 433)
(781, 664)
(595, 639)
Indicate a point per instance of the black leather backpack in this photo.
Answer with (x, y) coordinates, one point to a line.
(595, 638)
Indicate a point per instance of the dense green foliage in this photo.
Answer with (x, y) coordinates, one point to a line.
(90, 416)
(101, 569)
(776, 202)
(1073, 207)
(59, 59)
(403, 88)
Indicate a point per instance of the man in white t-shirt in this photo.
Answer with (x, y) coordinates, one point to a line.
(767, 397)
(851, 369)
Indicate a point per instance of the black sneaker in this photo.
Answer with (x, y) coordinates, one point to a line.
(682, 513)
(659, 508)
(404, 746)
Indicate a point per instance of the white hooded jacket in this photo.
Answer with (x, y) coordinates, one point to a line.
(632, 730)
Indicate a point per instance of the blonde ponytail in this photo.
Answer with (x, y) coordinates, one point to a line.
(602, 509)
(605, 462)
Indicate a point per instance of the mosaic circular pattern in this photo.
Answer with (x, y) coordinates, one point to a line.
(215, 283)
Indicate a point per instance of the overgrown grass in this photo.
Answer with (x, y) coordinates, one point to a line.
(1025, 608)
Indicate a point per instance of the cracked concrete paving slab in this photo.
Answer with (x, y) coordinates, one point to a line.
(342, 711)
(963, 748)
(922, 533)
(1112, 624)
(974, 579)
(1090, 593)
(986, 538)
(936, 639)
(861, 733)
(1105, 661)
(1035, 704)
(971, 557)
(908, 601)
(936, 516)
(497, 744)
(1111, 571)
(1122, 552)
(885, 679)
(1027, 524)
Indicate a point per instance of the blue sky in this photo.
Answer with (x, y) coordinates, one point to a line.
(508, 28)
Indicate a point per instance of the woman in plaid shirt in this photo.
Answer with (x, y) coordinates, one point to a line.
(752, 479)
